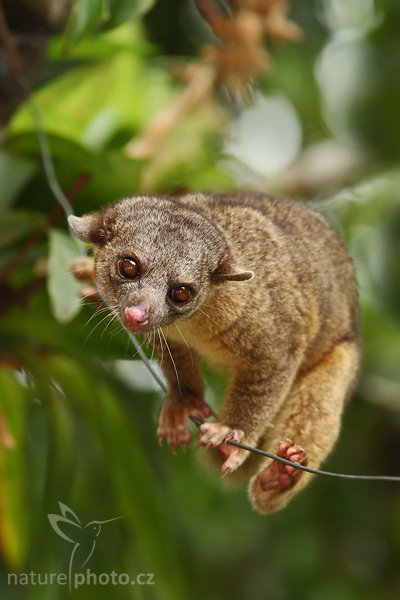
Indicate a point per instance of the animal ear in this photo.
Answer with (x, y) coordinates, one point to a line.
(238, 275)
(228, 271)
(89, 228)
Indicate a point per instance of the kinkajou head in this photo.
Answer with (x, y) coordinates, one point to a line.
(155, 259)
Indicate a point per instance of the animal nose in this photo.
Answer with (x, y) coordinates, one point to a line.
(135, 317)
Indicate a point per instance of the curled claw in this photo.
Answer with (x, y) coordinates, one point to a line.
(225, 471)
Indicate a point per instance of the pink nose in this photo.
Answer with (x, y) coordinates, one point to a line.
(135, 317)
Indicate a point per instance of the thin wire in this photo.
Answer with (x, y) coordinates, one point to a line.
(299, 466)
(48, 161)
(68, 211)
(67, 208)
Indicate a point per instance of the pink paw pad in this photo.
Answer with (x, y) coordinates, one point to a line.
(212, 435)
(278, 476)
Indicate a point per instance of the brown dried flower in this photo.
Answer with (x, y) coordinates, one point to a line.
(238, 59)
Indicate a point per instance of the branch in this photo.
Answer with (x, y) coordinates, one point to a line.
(25, 28)
(195, 93)
(81, 180)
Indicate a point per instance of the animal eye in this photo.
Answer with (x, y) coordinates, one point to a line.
(180, 294)
(129, 267)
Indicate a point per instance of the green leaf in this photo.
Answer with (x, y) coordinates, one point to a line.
(124, 10)
(15, 224)
(15, 172)
(133, 484)
(62, 286)
(71, 160)
(86, 17)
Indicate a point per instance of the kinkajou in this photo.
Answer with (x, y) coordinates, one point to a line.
(262, 288)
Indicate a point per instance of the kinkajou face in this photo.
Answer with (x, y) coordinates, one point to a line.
(155, 264)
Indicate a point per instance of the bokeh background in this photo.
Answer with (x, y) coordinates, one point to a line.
(77, 412)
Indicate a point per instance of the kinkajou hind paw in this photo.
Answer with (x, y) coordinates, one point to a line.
(278, 476)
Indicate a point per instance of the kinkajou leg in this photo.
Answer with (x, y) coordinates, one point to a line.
(185, 392)
(310, 418)
(252, 401)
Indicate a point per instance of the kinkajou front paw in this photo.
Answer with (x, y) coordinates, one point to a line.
(215, 435)
(174, 420)
(82, 268)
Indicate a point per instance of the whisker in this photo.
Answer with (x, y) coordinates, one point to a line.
(128, 344)
(117, 329)
(161, 346)
(139, 348)
(108, 316)
(153, 343)
(208, 317)
(149, 343)
(95, 314)
(112, 320)
(173, 362)
(99, 311)
(85, 296)
(215, 308)
(187, 345)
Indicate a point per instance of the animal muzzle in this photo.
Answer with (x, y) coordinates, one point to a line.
(135, 318)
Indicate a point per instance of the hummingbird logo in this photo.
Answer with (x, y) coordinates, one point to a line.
(83, 537)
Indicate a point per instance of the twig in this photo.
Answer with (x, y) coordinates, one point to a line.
(10, 297)
(196, 92)
(76, 187)
(13, 58)
(235, 62)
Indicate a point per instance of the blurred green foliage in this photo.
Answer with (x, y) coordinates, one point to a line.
(80, 416)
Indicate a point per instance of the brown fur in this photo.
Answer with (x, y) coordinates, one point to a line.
(288, 336)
